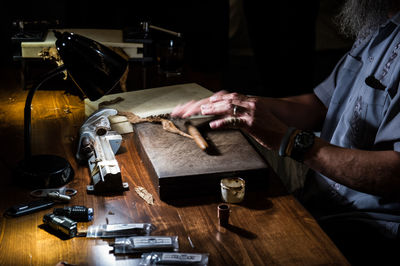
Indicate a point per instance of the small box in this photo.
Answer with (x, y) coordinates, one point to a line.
(179, 168)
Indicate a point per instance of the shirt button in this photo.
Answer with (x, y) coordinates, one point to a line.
(337, 186)
(370, 58)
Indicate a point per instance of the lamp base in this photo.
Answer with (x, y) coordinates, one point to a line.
(44, 171)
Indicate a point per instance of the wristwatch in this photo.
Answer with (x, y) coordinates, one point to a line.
(296, 143)
(302, 142)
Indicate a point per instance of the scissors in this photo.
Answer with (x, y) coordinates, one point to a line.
(63, 193)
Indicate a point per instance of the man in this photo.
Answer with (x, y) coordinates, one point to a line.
(354, 188)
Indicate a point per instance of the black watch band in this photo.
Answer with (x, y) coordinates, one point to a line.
(302, 142)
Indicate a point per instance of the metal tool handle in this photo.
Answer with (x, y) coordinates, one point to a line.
(44, 192)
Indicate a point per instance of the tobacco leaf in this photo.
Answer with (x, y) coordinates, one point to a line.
(144, 194)
(167, 125)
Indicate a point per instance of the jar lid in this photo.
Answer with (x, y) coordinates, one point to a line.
(235, 183)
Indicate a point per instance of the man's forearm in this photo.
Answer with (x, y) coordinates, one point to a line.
(304, 111)
(374, 172)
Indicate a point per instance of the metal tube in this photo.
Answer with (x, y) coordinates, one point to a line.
(27, 111)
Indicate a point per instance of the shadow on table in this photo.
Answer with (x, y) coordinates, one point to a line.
(240, 231)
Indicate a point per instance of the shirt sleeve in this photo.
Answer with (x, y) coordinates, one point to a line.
(325, 89)
(388, 135)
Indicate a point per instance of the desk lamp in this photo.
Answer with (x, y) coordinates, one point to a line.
(95, 69)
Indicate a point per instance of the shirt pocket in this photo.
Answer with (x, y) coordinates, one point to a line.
(346, 78)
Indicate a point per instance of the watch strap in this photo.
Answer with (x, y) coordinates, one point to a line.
(289, 148)
(285, 141)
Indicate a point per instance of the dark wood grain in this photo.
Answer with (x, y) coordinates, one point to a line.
(269, 228)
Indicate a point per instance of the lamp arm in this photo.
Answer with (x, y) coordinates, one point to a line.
(27, 110)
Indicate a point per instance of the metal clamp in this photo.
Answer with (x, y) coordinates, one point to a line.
(63, 194)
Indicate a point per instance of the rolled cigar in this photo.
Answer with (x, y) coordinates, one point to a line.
(198, 138)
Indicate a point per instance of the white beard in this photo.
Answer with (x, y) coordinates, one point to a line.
(359, 18)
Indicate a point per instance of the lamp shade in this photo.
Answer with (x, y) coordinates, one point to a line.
(95, 68)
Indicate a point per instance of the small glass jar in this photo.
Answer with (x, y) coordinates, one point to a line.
(232, 189)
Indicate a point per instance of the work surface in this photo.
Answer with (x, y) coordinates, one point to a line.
(269, 228)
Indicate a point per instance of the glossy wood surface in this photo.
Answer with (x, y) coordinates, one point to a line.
(269, 228)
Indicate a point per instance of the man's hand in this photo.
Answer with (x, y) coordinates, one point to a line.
(193, 107)
(233, 110)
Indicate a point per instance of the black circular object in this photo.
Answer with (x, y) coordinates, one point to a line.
(44, 171)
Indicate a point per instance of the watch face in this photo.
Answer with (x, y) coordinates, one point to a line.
(304, 140)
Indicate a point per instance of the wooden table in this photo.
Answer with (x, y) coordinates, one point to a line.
(269, 228)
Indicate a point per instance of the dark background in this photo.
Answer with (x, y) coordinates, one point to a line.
(281, 35)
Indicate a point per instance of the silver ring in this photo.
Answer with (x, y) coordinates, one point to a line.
(235, 107)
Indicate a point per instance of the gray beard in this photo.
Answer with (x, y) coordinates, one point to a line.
(359, 18)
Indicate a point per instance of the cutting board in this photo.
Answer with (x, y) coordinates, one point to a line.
(152, 101)
(179, 168)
